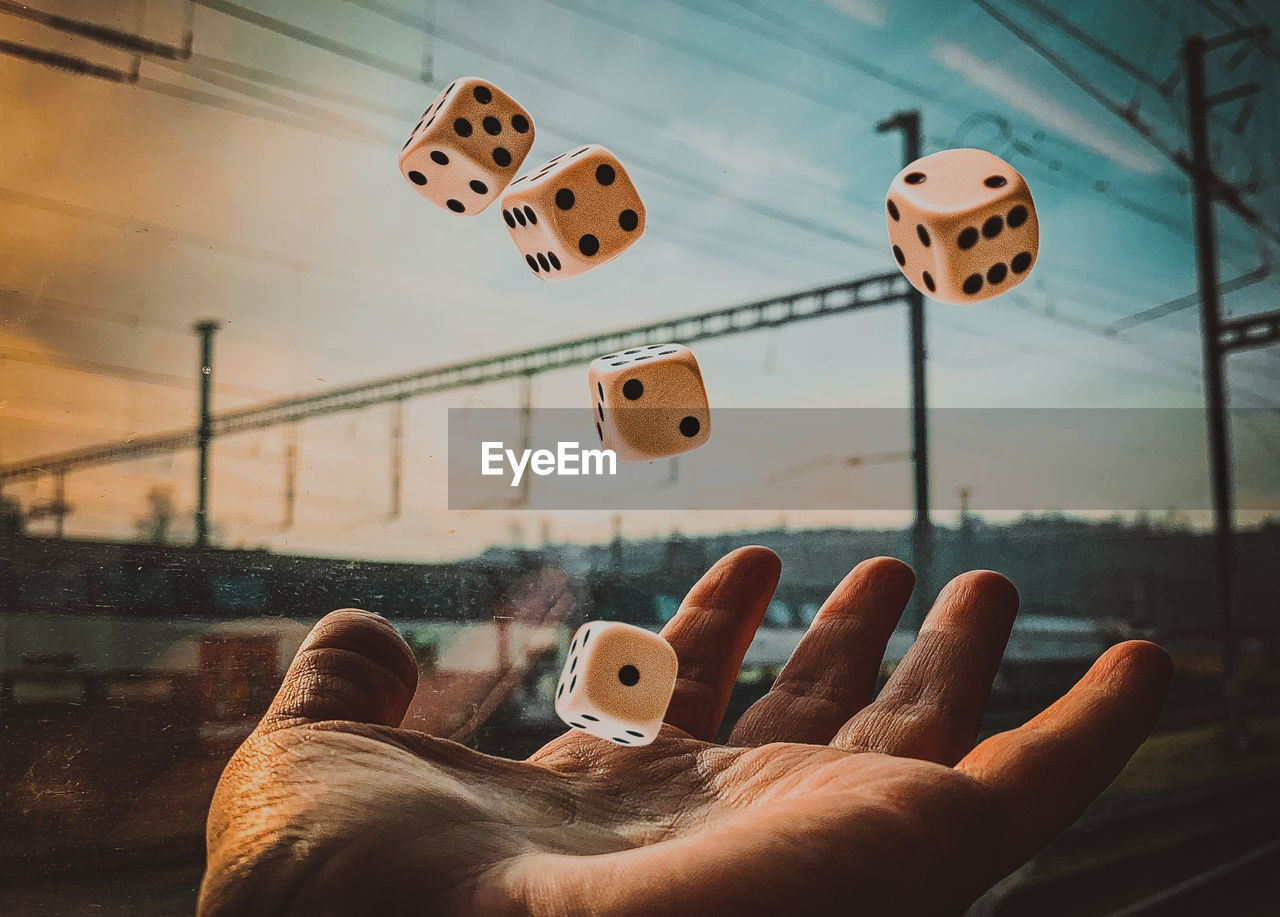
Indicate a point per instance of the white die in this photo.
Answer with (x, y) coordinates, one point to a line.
(649, 402)
(617, 682)
(467, 146)
(962, 225)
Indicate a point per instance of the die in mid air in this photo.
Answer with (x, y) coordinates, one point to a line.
(467, 146)
(617, 682)
(575, 213)
(962, 225)
(650, 402)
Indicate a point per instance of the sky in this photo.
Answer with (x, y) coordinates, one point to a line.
(256, 182)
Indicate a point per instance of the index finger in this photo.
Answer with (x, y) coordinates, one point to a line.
(711, 632)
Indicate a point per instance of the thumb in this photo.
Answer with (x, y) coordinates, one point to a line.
(352, 666)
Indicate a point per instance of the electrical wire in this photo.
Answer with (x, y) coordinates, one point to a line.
(836, 51)
(838, 55)
(694, 183)
(130, 224)
(68, 63)
(1226, 195)
(1143, 77)
(105, 35)
(658, 168)
(43, 306)
(779, 214)
(127, 373)
(322, 116)
(1051, 313)
(1067, 27)
(269, 115)
(1257, 275)
(314, 39)
(842, 102)
(1266, 44)
(811, 43)
(316, 90)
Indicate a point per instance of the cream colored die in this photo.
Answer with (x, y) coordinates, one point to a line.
(962, 225)
(467, 146)
(617, 682)
(650, 402)
(575, 213)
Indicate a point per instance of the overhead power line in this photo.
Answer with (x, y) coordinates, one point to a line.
(1264, 43)
(549, 75)
(268, 114)
(1226, 194)
(1185, 302)
(836, 50)
(287, 108)
(663, 169)
(316, 90)
(322, 117)
(842, 102)
(316, 40)
(124, 41)
(128, 373)
(68, 63)
(1049, 14)
(787, 34)
(130, 224)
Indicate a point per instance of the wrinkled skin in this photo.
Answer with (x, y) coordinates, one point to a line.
(824, 800)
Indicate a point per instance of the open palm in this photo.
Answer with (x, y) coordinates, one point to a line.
(824, 801)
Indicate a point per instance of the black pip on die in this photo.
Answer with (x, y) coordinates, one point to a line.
(617, 682)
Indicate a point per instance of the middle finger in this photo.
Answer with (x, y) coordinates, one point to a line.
(833, 670)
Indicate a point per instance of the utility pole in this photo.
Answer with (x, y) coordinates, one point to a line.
(526, 420)
(1220, 336)
(1204, 184)
(204, 431)
(290, 476)
(60, 507)
(428, 55)
(908, 122)
(615, 544)
(397, 456)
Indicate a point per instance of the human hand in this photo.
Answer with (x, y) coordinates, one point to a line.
(824, 800)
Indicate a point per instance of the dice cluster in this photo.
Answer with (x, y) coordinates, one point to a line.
(962, 225)
(576, 212)
(962, 229)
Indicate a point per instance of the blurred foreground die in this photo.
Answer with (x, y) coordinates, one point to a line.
(649, 402)
(617, 682)
(962, 225)
(575, 213)
(467, 146)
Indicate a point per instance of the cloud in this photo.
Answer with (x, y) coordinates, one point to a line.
(1042, 106)
(869, 12)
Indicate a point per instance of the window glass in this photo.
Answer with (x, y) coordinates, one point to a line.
(236, 337)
